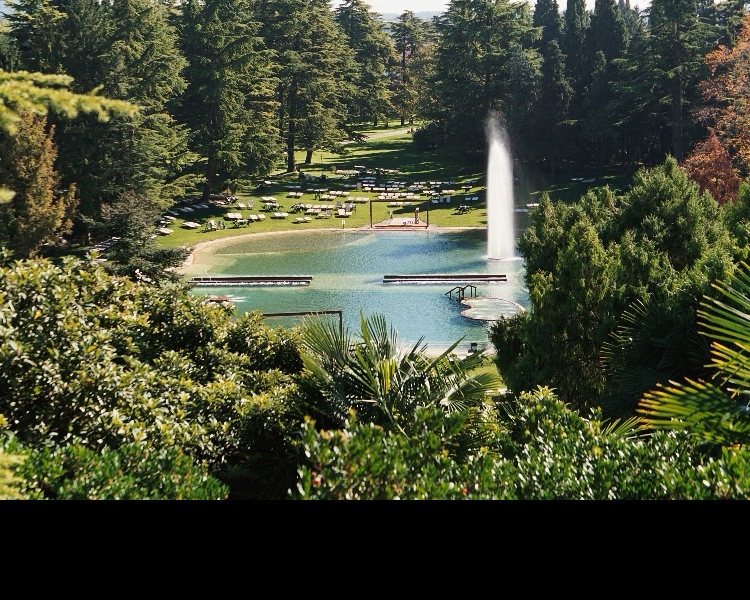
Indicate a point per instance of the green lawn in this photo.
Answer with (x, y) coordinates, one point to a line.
(395, 153)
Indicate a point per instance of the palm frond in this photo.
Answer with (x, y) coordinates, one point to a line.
(624, 428)
(702, 408)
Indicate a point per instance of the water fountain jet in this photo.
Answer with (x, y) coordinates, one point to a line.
(500, 208)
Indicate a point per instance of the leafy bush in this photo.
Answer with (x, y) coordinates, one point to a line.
(548, 452)
(100, 361)
(131, 472)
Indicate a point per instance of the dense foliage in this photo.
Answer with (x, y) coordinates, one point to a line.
(112, 389)
(656, 250)
(547, 451)
(229, 92)
(117, 382)
(97, 361)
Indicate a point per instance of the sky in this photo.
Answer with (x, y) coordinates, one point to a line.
(399, 6)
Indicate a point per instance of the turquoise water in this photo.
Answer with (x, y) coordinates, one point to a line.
(348, 269)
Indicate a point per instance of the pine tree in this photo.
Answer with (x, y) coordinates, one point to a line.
(409, 34)
(547, 17)
(374, 56)
(315, 70)
(477, 43)
(679, 40)
(228, 102)
(552, 109)
(576, 24)
(607, 32)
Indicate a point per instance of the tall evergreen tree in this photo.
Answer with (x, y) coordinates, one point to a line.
(316, 68)
(607, 32)
(63, 36)
(477, 41)
(550, 130)
(127, 51)
(10, 55)
(374, 56)
(679, 41)
(547, 17)
(228, 103)
(576, 24)
(409, 34)
(606, 43)
(635, 108)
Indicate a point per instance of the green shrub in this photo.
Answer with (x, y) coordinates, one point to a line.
(131, 472)
(548, 452)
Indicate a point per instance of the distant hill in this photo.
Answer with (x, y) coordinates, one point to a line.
(425, 16)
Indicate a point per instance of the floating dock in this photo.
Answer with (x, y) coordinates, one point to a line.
(444, 278)
(227, 280)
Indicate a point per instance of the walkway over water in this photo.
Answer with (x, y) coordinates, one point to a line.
(444, 278)
(224, 280)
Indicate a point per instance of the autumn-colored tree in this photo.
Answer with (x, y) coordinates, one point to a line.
(39, 211)
(710, 166)
(725, 94)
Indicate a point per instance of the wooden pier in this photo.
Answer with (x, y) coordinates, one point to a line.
(444, 278)
(228, 280)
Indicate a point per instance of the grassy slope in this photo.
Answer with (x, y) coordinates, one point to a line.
(391, 152)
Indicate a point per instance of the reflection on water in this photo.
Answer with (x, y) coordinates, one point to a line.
(348, 268)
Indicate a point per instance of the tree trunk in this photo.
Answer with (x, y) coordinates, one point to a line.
(210, 176)
(291, 134)
(677, 101)
(403, 120)
(309, 157)
(677, 118)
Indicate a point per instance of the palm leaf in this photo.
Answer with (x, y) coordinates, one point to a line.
(708, 411)
(704, 409)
